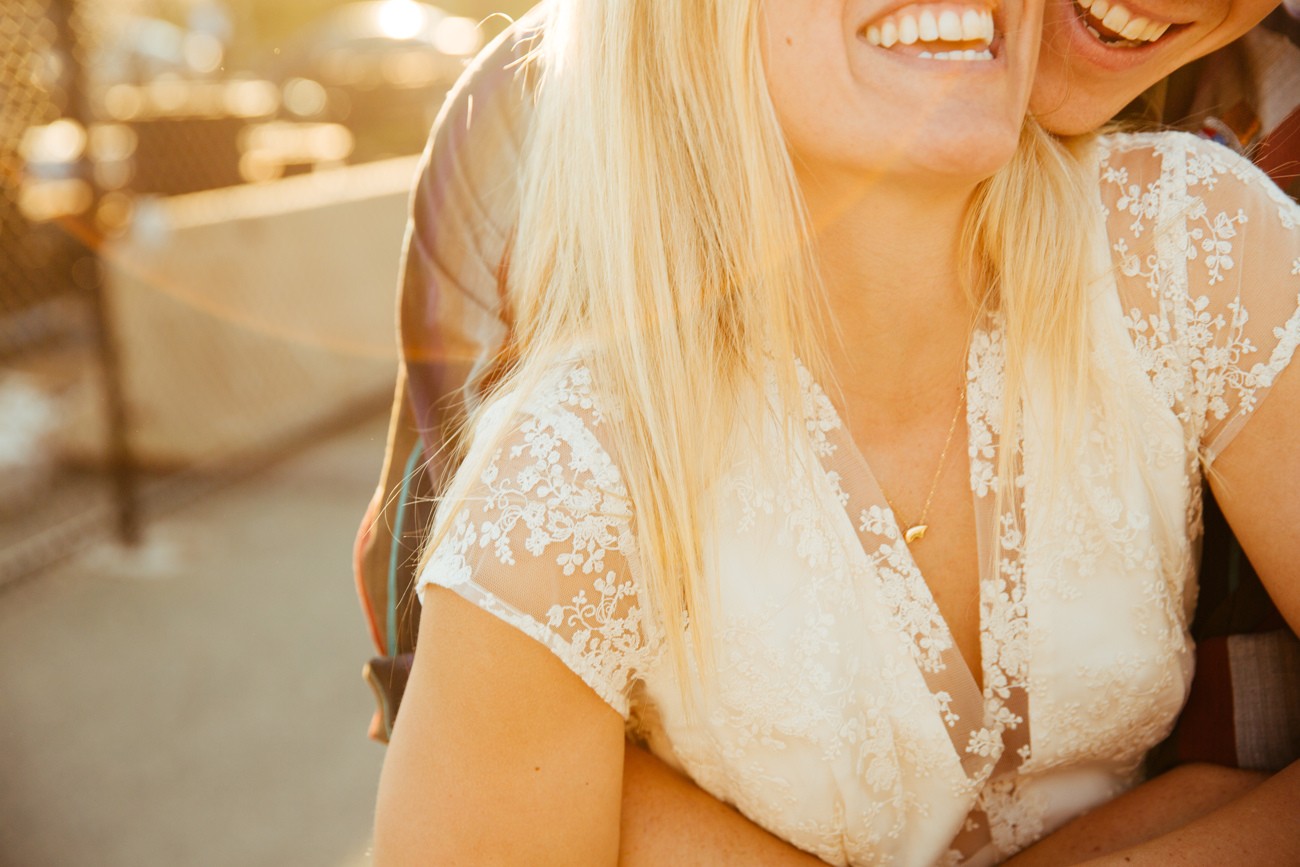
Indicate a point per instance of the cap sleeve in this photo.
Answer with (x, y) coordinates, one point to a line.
(1207, 251)
(541, 536)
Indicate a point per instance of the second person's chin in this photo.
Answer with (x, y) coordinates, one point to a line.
(1083, 79)
(1069, 109)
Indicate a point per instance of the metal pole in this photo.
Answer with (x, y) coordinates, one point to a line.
(89, 275)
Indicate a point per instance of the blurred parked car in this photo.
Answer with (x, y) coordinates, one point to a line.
(139, 49)
(362, 82)
(379, 68)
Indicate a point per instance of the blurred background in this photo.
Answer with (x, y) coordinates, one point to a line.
(202, 205)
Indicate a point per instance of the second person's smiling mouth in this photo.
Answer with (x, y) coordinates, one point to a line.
(1117, 26)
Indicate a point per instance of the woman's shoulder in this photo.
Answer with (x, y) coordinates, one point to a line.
(566, 388)
(1176, 168)
(1201, 207)
(1125, 146)
(560, 394)
(537, 529)
(552, 418)
(1205, 251)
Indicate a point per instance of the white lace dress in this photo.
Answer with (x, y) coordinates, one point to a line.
(842, 717)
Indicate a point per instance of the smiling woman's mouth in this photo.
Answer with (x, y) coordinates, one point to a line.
(936, 31)
(1117, 26)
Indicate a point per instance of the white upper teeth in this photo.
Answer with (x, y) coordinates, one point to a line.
(950, 25)
(927, 28)
(1116, 18)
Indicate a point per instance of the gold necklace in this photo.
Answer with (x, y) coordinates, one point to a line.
(916, 531)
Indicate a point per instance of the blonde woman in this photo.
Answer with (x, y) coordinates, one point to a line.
(775, 270)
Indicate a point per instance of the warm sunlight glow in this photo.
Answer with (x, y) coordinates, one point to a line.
(401, 19)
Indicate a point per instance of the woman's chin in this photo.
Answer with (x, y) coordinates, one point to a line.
(938, 154)
(948, 158)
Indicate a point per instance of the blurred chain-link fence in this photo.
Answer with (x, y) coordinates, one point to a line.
(199, 243)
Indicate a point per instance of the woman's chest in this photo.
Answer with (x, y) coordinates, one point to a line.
(841, 710)
(842, 702)
(816, 585)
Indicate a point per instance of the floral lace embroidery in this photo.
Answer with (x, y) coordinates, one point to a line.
(1193, 333)
(902, 588)
(1016, 817)
(819, 411)
(1005, 646)
(551, 490)
(985, 380)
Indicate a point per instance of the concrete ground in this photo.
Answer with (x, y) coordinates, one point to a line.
(199, 702)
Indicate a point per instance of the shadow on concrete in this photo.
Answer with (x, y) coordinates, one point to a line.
(198, 701)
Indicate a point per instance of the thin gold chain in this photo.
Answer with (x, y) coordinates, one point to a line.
(938, 471)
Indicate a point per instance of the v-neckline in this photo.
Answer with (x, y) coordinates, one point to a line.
(988, 727)
(873, 494)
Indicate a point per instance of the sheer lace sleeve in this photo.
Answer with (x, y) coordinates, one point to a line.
(543, 536)
(1207, 250)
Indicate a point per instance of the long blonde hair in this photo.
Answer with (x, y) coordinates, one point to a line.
(662, 229)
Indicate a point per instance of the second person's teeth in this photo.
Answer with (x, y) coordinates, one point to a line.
(1120, 21)
(972, 27)
(1116, 19)
(1135, 28)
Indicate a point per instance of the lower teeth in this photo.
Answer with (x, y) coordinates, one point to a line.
(969, 54)
(1115, 42)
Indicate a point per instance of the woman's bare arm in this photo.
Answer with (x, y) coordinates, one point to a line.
(1256, 482)
(1259, 829)
(1195, 811)
(1155, 808)
(501, 754)
(667, 819)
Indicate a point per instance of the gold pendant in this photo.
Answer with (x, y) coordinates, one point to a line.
(914, 533)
